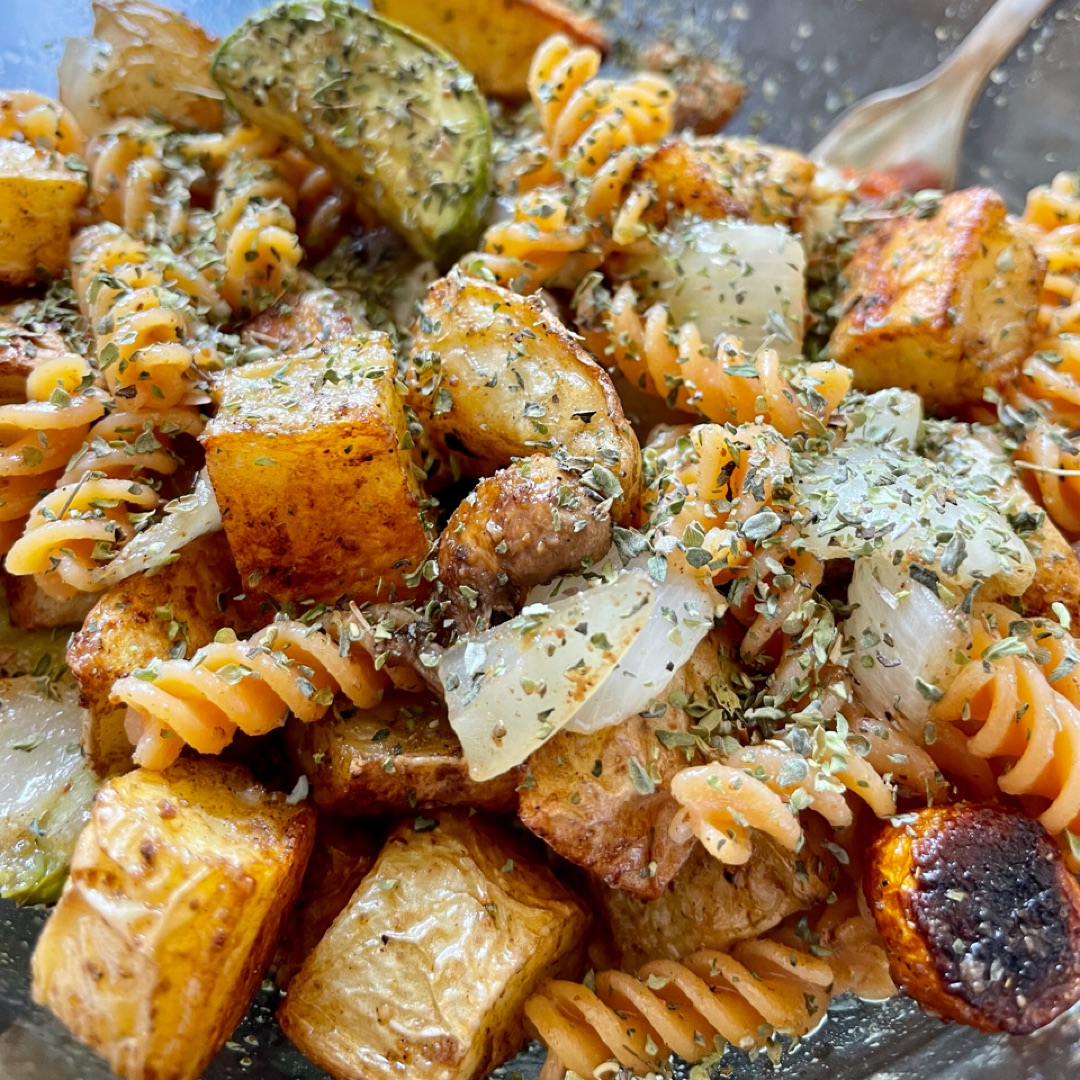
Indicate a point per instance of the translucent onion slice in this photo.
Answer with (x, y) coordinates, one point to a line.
(511, 688)
(185, 519)
(730, 277)
(889, 416)
(904, 639)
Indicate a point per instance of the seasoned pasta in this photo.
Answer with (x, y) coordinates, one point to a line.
(574, 203)
(38, 437)
(38, 120)
(759, 989)
(250, 685)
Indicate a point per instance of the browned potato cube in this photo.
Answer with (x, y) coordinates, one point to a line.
(425, 974)
(179, 608)
(309, 459)
(21, 350)
(710, 905)
(943, 305)
(400, 756)
(343, 854)
(38, 198)
(708, 92)
(31, 608)
(495, 39)
(178, 888)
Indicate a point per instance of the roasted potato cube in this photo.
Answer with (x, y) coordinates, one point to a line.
(343, 854)
(178, 888)
(31, 608)
(394, 758)
(943, 304)
(980, 917)
(425, 974)
(495, 376)
(495, 39)
(21, 350)
(38, 198)
(317, 317)
(603, 800)
(179, 608)
(308, 458)
(710, 905)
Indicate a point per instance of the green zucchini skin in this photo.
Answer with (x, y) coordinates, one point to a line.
(395, 118)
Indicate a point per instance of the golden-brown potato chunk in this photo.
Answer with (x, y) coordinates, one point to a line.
(495, 39)
(32, 608)
(708, 92)
(942, 305)
(400, 756)
(179, 608)
(980, 917)
(308, 456)
(21, 350)
(178, 887)
(425, 974)
(603, 800)
(344, 852)
(710, 905)
(38, 198)
(495, 376)
(316, 317)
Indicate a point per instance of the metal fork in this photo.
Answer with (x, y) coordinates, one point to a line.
(922, 123)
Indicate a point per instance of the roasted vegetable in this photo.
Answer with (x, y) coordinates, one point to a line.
(980, 917)
(45, 786)
(709, 905)
(316, 317)
(495, 39)
(426, 972)
(400, 756)
(494, 376)
(310, 464)
(178, 888)
(39, 194)
(175, 611)
(395, 118)
(708, 92)
(343, 854)
(941, 301)
(145, 61)
(21, 350)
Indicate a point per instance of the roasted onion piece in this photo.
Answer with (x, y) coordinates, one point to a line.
(980, 917)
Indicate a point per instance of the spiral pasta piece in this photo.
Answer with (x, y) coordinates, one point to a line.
(721, 383)
(33, 118)
(1019, 703)
(140, 311)
(38, 437)
(573, 203)
(323, 208)
(250, 685)
(746, 996)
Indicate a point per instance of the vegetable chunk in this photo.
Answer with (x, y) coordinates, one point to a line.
(178, 888)
(425, 974)
(399, 756)
(38, 198)
(393, 117)
(495, 39)
(943, 304)
(308, 460)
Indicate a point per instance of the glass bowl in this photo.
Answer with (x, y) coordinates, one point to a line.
(805, 61)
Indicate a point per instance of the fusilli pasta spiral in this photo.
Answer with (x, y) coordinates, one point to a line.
(251, 685)
(575, 201)
(723, 384)
(40, 121)
(757, 990)
(38, 437)
(1019, 701)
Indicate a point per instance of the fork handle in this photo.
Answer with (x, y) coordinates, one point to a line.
(993, 38)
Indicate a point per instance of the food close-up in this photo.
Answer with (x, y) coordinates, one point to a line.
(494, 562)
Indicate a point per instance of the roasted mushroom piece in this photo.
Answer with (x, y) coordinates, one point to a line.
(980, 917)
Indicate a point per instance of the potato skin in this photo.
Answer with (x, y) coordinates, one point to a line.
(130, 625)
(178, 888)
(399, 757)
(425, 974)
(318, 495)
(994, 883)
(943, 305)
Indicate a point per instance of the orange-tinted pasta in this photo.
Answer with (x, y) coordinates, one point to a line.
(252, 685)
(40, 121)
(761, 988)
